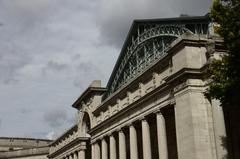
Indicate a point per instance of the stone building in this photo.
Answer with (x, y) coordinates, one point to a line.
(23, 148)
(154, 104)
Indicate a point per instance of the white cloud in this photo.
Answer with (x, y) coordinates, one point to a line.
(51, 135)
(55, 117)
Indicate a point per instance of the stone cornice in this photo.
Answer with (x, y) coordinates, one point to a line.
(86, 94)
(19, 138)
(69, 145)
(69, 131)
(25, 152)
(23, 142)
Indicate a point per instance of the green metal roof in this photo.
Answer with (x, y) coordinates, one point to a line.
(141, 38)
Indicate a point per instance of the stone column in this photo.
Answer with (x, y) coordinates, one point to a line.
(97, 151)
(70, 156)
(133, 142)
(162, 138)
(104, 149)
(75, 155)
(147, 154)
(93, 150)
(81, 154)
(219, 128)
(193, 124)
(122, 145)
(113, 151)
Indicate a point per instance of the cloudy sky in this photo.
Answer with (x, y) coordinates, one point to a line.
(50, 50)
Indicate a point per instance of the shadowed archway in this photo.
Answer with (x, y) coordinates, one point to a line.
(86, 124)
(85, 127)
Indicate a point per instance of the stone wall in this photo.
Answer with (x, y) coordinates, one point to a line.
(40, 153)
(23, 148)
(7, 143)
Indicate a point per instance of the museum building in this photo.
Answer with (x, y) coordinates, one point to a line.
(154, 105)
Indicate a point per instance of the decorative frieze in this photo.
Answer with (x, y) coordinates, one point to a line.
(143, 89)
(64, 141)
(180, 86)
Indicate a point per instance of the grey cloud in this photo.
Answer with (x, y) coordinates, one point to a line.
(0, 122)
(72, 120)
(33, 134)
(11, 62)
(55, 118)
(54, 66)
(76, 57)
(86, 67)
(25, 110)
(115, 17)
(86, 72)
(25, 14)
(30, 30)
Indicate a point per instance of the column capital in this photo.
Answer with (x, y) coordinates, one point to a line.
(172, 101)
(119, 129)
(103, 137)
(92, 142)
(158, 111)
(129, 124)
(97, 140)
(110, 134)
(142, 118)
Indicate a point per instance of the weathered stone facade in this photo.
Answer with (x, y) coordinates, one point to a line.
(23, 148)
(154, 104)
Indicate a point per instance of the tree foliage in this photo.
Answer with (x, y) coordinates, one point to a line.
(225, 84)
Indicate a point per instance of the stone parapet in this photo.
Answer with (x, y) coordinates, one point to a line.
(20, 143)
(25, 152)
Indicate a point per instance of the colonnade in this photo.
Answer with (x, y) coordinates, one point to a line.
(100, 148)
(79, 154)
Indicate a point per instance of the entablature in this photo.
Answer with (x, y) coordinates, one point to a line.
(66, 138)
